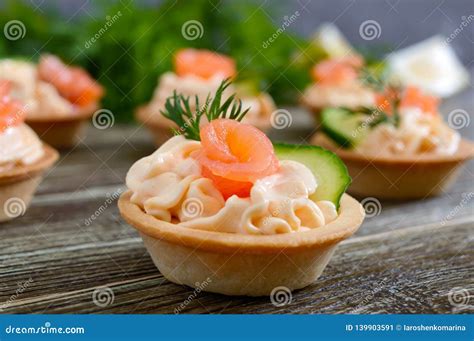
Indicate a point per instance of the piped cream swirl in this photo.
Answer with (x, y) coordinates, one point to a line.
(418, 133)
(19, 145)
(168, 185)
(352, 95)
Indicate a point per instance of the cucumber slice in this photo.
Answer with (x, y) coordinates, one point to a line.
(330, 172)
(344, 127)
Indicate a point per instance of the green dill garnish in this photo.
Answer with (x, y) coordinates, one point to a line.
(178, 110)
(381, 114)
(374, 76)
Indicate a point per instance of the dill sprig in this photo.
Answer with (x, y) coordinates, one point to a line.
(178, 109)
(380, 114)
(374, 78)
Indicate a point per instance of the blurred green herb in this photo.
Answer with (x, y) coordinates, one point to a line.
(128, 54)
(388, 112)
(127, 46)
(375, 77)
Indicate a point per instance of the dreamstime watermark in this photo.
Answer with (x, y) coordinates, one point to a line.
(14, 30)
(110, 20)
(21, 113)
(370, 30)
(466, 198)
(199, 287)
(14, 207)
(21, 287)
(192, 30)
(190, 121)
(372, 206)
(369, 296)
(281, 119)
(465, 21)
(281, 296)
(103, 119)
(287, 22)
(280, 206)
(374, 114)
(460, 297)
(459, 119)
(103, 297)
(111, 198)
(47, 328)
(192, 208)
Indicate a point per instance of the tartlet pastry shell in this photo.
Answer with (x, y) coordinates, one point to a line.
(400, 177)
(62, 131)
(21, 182)
(235, 264)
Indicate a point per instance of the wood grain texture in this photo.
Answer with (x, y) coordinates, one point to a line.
(410, 270)
(405, 259)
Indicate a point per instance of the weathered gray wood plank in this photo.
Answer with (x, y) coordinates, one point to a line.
(405, 271)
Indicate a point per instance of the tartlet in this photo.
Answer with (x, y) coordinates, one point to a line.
(338, 83)
(199, 73)
(222, 205)
(23, 157)
(64, 131)
(409, 156)
(58, 98)
(402, 177)
(19, 184)
(241, 264)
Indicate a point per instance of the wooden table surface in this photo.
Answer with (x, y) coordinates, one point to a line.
(406, 259)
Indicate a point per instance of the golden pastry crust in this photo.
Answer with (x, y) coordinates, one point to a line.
(62, 131)
(20, 183)
(19, 173)
(464, 152)
(236, 264)
(399, 176)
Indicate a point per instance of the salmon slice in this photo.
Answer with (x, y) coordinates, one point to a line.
(337, 71)
(413, 97)
(12, 112)
(234, 155)
(73, 83)
(228, 187)
(384, 100)
(409, 97)
(203, 63)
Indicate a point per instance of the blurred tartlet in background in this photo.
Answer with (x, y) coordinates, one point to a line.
(199, 73)
(58, 98)
(338, 83)
(346, 77)
(338, 75)
(23, 157)
(400, 148)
